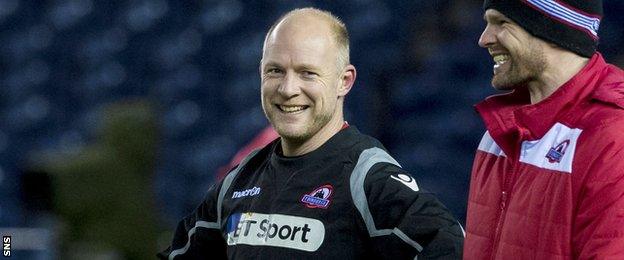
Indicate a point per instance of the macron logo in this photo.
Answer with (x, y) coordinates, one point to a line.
(246, 193)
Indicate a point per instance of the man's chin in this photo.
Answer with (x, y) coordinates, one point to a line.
(293, 135)
(503, 84)
(502, 87)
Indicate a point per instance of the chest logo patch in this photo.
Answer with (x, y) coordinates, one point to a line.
(555, 153)
(277, 230)
(319, 197)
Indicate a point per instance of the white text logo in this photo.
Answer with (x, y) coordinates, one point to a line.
(278, 230)
(248, 192)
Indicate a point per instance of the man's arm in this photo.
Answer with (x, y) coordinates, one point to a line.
(420, 224)
(402, 220)
(598, 231)
(198, 235)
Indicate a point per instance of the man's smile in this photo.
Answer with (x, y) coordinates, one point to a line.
(291, 108)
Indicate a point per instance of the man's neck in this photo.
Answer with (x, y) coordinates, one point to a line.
(561, 67)
(292, 148)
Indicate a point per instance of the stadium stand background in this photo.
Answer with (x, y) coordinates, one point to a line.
(114, 116)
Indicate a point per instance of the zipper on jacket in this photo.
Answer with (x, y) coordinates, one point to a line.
(503, 201)
(499, 224)
(508, 179)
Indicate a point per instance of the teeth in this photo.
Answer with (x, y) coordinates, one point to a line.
(501, 58)
(291, 109)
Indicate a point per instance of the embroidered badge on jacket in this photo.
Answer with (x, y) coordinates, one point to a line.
(555, 153)
(319, 197)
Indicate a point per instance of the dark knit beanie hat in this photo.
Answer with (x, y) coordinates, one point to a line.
(571, 24)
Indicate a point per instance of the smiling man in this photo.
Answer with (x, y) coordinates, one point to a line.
(305, 79)
(322, 190)
(548, 176)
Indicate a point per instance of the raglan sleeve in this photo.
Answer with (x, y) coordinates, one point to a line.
(406, 222)
(598, 230)
(198, 235)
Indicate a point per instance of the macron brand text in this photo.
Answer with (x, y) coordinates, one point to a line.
(246, 193)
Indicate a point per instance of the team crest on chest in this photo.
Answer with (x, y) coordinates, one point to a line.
(555, 153)
(319, 197)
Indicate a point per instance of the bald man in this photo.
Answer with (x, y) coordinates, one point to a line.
(322, 190)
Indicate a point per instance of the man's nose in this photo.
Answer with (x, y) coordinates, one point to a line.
(488, 37)
(290, 86)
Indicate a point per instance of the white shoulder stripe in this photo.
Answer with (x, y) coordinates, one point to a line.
(368, 158)
(555, 151)
(488, 145)
(397, 232)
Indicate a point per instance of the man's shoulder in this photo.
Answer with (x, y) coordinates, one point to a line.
(605, 126)
(603, 115)
(373, 160)
(610, 89)
(602, 129)
(253, 159)
(362, 142)
(366, 150)
(604, 110)
(377, 159)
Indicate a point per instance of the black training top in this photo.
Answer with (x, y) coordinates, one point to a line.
(348, 199)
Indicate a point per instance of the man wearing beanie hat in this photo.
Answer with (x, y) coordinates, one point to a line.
(548, 175)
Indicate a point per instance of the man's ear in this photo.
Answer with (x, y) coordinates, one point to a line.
(347, 80)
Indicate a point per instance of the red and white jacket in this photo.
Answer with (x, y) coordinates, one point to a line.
(548, 178)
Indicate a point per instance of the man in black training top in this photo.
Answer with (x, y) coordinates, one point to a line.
(323, 190)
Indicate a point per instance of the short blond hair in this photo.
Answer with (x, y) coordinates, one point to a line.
(338, 28)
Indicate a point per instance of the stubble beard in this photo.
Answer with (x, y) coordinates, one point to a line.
(303, 134)
(525, 66)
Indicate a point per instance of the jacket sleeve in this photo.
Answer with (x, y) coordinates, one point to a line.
(407, 221)
(198, 235)
(599, 220)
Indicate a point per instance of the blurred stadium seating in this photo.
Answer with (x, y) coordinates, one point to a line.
(62, 63)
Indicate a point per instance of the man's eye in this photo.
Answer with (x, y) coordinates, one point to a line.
(306, 73)
(273, 70)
